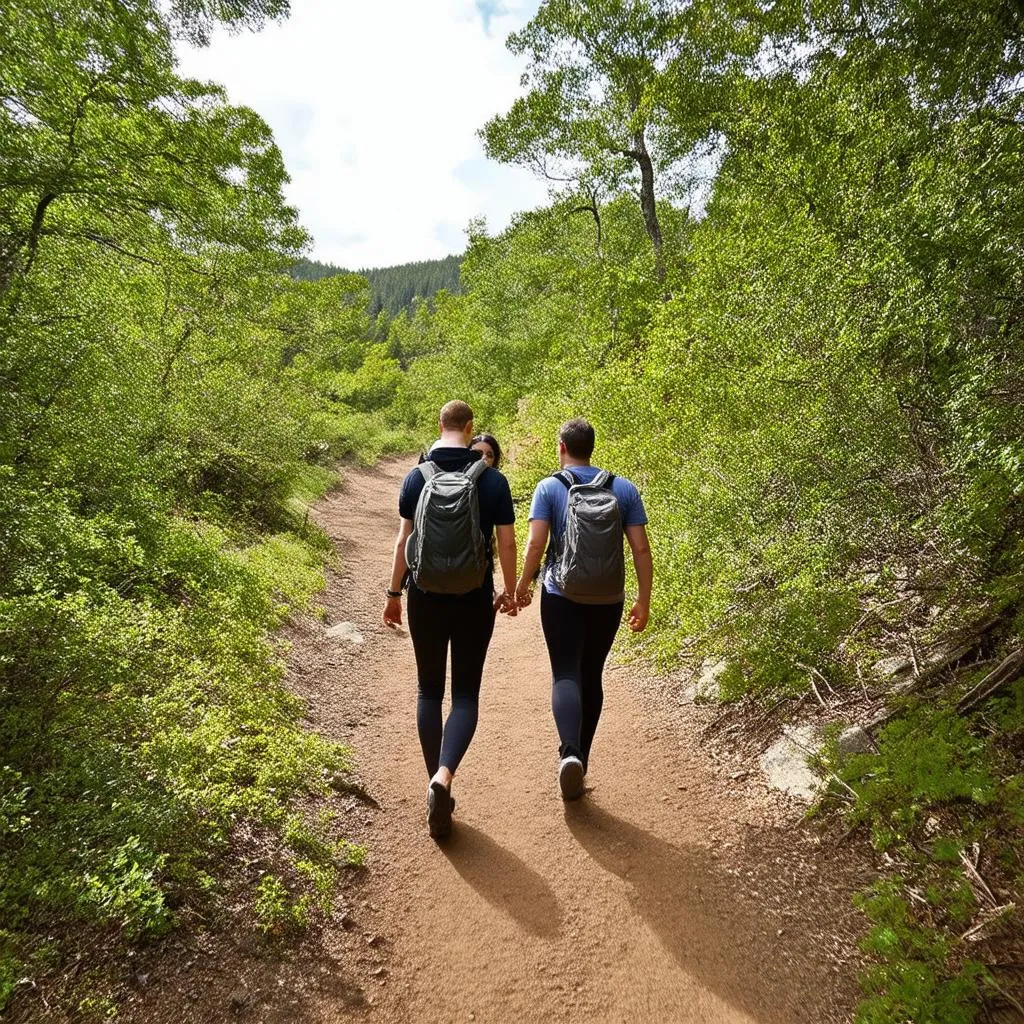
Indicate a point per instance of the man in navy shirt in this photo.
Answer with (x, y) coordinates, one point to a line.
(465, 621)
(579, 636)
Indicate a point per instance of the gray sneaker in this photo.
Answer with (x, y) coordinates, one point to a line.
(439, 810)
(570, 777)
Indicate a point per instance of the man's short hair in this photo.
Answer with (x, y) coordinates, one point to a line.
(455, 415)
(578, 437)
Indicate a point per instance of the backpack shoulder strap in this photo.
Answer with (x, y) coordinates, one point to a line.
(476, 470)
(603, 479)
(428, 469)
(565, 478)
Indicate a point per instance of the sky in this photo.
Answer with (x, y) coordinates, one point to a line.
(375, 106)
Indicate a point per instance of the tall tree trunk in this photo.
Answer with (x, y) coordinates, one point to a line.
(36, 230)
(14, 243)
(647, 200)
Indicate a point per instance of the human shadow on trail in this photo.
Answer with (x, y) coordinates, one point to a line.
(712, 925)
(502, 879)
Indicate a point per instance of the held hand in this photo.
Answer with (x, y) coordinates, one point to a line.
(638, 617)
(524, 595)
(393, 612)
(506, 603)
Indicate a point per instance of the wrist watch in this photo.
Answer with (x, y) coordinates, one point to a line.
(393, 593)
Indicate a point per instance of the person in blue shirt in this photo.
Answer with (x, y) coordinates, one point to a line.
(579, 636)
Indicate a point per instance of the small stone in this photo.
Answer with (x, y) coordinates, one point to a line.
(347, 921)
(886, 668)
(240, 997)
(347, 632)
(854, 740)
(373, 940)
(704, 689)
(739, 775)
(785, 766)
(378, 972)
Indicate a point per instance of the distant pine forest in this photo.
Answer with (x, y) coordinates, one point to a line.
(393, 289)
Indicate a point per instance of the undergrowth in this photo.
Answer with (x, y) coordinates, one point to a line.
(143, 720)
(943, 804)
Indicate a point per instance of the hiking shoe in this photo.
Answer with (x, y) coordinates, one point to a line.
(570, 777)
(439, 810)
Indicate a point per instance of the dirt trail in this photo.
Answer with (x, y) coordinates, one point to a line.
(672, 892)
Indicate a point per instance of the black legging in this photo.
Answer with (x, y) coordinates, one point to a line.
(579, 637)
(467, 622)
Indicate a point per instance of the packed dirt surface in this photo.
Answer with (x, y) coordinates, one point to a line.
(672, 892)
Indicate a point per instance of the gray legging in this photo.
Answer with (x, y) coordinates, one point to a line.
(579, 637)
(465, 621)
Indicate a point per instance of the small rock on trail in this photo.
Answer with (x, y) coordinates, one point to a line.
(785, 765)
(345, 632)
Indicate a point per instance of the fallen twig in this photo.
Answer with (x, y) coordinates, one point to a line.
(926, 676)
(860, 678)
(1002, 675)
(973, 872)
(812, 672)
(1006, 995)
(989, 917)
(817, 694)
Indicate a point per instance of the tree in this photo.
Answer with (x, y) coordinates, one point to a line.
(619, 92)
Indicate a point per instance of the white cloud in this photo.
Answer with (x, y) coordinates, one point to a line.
(376, 107)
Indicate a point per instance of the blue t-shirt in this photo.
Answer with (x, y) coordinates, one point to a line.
(551, 503)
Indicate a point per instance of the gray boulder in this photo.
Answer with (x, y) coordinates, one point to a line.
(855, 740)
(785, 765)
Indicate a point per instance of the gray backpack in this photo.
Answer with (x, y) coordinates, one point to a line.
(588, 564)
(446, 552)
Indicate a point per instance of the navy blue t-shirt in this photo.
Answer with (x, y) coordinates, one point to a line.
(493, 492)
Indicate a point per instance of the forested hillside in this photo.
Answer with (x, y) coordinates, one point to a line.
(782, 274)
(393, 289)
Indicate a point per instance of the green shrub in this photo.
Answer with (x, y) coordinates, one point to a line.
(914, 981)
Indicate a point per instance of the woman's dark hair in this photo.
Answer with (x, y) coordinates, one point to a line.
(489, 439)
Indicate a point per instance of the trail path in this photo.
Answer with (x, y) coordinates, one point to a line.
(671, 892)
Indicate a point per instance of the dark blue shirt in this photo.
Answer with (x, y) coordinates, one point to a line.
(493, 492)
